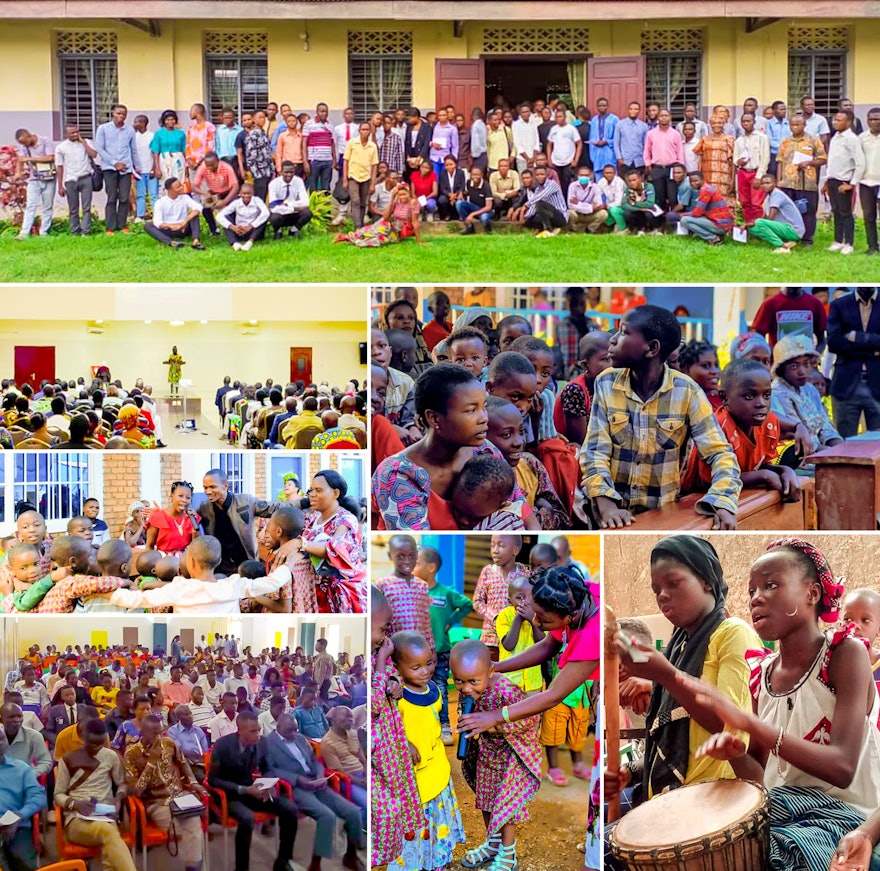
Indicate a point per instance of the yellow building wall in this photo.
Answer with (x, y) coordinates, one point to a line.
(162, 72)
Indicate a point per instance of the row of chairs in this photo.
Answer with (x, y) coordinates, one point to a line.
(140, 834)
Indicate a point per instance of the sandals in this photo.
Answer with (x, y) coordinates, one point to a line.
(556, 777)
(505, 860)
(581, 770)
(483, 855)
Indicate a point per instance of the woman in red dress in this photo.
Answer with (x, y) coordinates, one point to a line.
(172, 531)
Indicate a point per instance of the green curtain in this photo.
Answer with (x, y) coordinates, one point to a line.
(397, 77)
(577, 78)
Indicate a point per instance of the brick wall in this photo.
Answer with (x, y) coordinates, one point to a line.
(170, 471)
(260, 473)
(122, 485)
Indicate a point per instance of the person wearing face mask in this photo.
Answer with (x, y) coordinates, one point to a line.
(586, 206)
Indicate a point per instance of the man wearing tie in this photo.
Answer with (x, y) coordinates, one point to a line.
(288, 202)
(234, 760)
(58, 717)
(290, 757)
(343, 133)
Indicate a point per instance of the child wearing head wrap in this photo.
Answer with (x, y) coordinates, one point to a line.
(794, 397)
(814, 741)
(751, 346)
(689, 584)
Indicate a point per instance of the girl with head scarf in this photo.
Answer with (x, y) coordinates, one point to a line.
(688, 582)
(401, 315)
(751, 346)
(813, 736)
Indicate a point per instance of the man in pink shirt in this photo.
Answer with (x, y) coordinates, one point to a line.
(176, 691)
(217, 184)
(663, 148)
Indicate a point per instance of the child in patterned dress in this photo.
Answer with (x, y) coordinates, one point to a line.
(407, 595)
(419, 709)
(396, 807)
(502, 766)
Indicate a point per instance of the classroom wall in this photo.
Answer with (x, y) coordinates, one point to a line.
(136, 350)
(628, 579)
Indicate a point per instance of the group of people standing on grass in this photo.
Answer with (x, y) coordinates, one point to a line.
(539, 164)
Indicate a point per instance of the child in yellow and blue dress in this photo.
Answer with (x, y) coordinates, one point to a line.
(419, 708)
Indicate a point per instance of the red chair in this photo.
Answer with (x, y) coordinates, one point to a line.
(219, 806)
(66, 850)
(147, 835)
(71, 865)
(340, 782)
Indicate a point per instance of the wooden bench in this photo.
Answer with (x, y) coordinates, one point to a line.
(759, 511)
(848, 484)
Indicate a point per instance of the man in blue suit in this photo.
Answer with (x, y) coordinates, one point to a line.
(290, 757)
(854, 336)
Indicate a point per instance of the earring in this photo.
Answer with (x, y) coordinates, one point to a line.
(793, 613)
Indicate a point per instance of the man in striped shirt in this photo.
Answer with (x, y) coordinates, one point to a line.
(711, 219)
(545, 207)
(319, 150)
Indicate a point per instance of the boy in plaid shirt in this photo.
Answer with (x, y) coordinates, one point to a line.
(642, 417)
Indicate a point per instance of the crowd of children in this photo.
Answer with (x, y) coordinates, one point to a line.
(624, 423)
(797, 713)
(530, 614)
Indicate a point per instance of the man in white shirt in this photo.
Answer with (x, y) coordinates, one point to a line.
(288, 202)
(846, 166)
(212, 688)
(73, 160)
(751, 157)
(564, 147)
(145, 178)
(381, 198)
(244, 219)
(238, 680)
(268, 720)
(613, 187)
(342, 134)
(225, 722)
(175, 216)
(526, 141)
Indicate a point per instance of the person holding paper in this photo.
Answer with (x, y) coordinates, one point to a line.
(751, 157)
(424, 187)
(234, 760)
(798, 162)
(444, 141)
(21, 796)
(159, 775)
(291, 757)
(639, 207)
(86, 778)
(782, 225)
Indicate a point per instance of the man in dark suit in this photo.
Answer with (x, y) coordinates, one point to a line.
(234, 759)
(58, 717)
(452, 184)
(289, 756)
(854, 336)
(416, 142)
(218, 396)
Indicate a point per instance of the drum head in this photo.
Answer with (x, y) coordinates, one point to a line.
(688, 814)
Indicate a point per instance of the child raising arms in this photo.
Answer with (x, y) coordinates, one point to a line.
(420, 711)
(503, 765)
(490, 595)
(815, 711)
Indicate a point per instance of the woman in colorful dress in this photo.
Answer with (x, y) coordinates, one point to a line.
(716, 157)
(169, 150)
(400, 221)
(171, 531)
(291, 490)
(333, 578)
(175, 364)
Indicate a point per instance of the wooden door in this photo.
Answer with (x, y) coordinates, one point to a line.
(33, 364)
(460, 82)
(129, 637)
(188, 639)
(619, 79)
(301, 365)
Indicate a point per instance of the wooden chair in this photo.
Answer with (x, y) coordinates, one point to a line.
(303, 439)
(18, 434)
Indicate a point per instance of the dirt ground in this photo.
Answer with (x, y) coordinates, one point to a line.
(558, 818)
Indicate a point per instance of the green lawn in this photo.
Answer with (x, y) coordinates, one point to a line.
(513, 257)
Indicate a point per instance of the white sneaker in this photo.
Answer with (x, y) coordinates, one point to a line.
(236, 246)
(835, 246)
(782, 250)
(248, 245)
(339, 219)
(138, 221)
(430, 217)
(847, 249)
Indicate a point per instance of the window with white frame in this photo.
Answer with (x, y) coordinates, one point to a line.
(55, 483)
(234, 465)
(351, 467)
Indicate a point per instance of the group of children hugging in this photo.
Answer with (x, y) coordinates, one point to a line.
(523, 686)
(798, 713)
(58, 574)
(474, 436)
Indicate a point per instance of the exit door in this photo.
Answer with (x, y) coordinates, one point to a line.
(301, 365)
(33, 364)
(621, 80)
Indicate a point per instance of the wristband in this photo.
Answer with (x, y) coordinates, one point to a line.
(505, 714)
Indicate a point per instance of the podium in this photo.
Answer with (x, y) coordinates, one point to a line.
(848, 484)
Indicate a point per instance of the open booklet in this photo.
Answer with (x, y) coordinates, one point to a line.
(187, 801)
(266, 782)
(9, 819)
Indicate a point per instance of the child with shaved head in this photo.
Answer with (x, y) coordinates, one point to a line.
(502, 766)
(414, 658)
(862, 609)
(30, 528)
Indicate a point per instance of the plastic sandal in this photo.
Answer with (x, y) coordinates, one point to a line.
(483, 855)
(581, 771)
(556, 777)
(505, 860)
